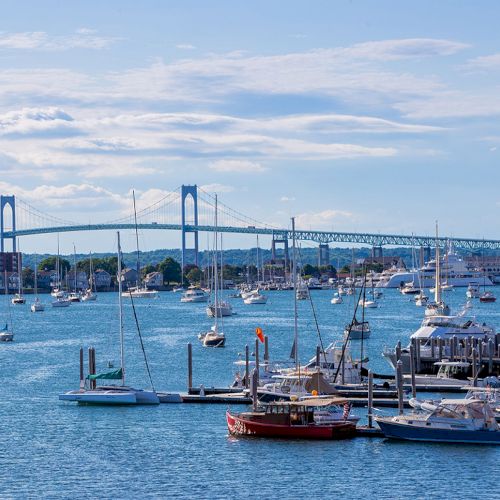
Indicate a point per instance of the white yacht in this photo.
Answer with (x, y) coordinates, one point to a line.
(473, 291)
(194, 295)
(140, 292)
(255, 298)
(444, 327)
(454, 271)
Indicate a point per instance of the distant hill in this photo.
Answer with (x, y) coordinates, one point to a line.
(339, 257)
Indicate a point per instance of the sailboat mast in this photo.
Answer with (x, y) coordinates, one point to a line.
(136, 242)
(295, 315)
(437, 290)
(36, 277)
(120, 308)
(216, 274)
(74, 264)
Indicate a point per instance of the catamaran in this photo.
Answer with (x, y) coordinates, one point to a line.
(90, 393)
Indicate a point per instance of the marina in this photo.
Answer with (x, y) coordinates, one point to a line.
(44, 358)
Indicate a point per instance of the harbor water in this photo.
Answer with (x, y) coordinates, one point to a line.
(53, 449)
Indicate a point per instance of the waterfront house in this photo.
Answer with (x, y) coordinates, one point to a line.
(129, 276)
(102, 279)
(154, 280)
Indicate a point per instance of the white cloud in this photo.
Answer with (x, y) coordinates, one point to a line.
(40, 40)
(237, 166)
(286, 199)
(217, 188)
(490, 62)
(185, 46)
(321, 220)
(35, 120)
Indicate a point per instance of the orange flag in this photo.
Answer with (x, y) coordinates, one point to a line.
(260, 334)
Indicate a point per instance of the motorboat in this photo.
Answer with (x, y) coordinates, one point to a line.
(223, 308)
(444, 327)
(337, 299)
(357, 330)
(457, 273)
(409, 289)
(446, 287)
(293, 384)
(90, 393)
(89, 296)
(57, 293)
(74, 297)
(248, 293)
(194, 295)
(450, 373)
(315, 418)
(421, 299)
(62, 301)
(473, 291)
(341, 290)
(18, 299)
(177, 289)
(255, 298)
(212, 338)
(37, 305)
(368, 304)
(140, 292)
(450, 421)
(6, 334)
(487, 297)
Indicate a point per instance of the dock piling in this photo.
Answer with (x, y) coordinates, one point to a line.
(370, 399)
(318, 360)
(82, 376)
(412, 370)
(491, 351)
(247, 367)
(190, 366)
(266, 349)
(257, 367)
(255, 383)
(474, 367)
(399, 384)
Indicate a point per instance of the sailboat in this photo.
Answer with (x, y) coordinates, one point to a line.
(90, 393)
(19, 298)
(6, 333)
(218, 307)
(37, 305)
(140, 291)
(438, 307)
(486, 296)
(90, 294)
(358, 330)
(214, 337)
(74, 296)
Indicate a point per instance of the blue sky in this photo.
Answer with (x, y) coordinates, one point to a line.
(351, 115)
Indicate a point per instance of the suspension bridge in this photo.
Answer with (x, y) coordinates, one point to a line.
(190, 210)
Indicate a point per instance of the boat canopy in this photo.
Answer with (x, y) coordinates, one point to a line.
(319, 402)
(114, 375)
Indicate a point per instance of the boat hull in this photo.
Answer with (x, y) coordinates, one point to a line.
(407, 432)
(241, 427)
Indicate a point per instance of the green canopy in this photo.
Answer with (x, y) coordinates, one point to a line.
(114, 375)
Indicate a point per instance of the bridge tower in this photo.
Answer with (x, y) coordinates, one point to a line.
(280, 240)
(4, 201)
(193, 192)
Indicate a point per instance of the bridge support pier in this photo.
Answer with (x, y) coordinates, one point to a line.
(4, 201)
(193, 192)
(323, 254)
(377, 252)
(425, 255)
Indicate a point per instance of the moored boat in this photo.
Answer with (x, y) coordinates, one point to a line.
(450, 421)
(306, 419)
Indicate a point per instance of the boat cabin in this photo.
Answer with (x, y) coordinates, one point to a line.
(453, 369)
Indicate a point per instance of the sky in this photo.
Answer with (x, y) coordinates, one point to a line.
(364, 116)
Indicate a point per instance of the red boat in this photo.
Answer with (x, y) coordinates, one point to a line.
(487, 297)
(307, 419)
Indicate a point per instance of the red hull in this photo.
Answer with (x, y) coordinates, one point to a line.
(241, 427)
